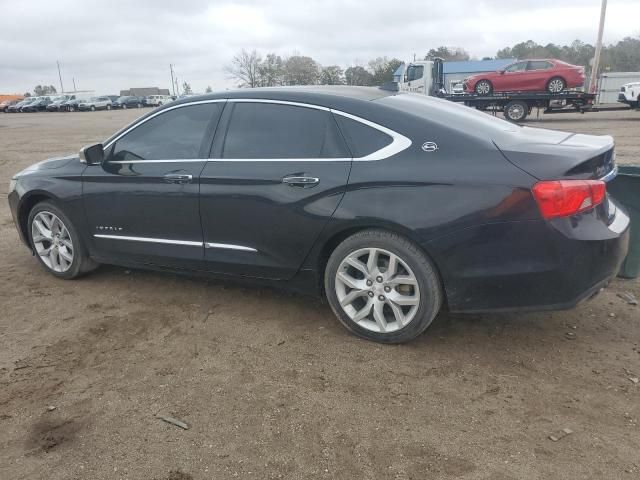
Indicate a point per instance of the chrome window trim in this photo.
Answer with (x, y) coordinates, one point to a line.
(398, 141)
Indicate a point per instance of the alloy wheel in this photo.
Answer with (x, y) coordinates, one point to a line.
(556, 85)
(515, 112)
(52, 241)
(377, 290)
(483, 87)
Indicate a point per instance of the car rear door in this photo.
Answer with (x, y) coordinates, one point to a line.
(538, 74)
(142, 202)
(278, 172)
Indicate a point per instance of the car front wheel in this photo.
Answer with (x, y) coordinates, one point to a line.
(484, 87)
(382, 287)
(56, 243)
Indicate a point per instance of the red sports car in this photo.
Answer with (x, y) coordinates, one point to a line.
(552, 76)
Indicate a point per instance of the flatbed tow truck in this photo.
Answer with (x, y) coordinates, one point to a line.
(426, 77)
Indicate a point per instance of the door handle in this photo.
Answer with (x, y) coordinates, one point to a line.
(178, 178)
(301, 181)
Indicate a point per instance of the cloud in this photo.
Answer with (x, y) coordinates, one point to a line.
(108, 46)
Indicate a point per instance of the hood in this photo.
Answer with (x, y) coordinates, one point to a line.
(550, 154)
(50, 164)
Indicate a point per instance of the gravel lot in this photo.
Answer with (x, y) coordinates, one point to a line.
(273, 387)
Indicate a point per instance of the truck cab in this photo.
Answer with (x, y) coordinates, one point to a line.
(424, 77)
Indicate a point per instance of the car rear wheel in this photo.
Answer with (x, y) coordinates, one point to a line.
(484, 87)
(56, 243)
(108, 107)
(139, 105)
(516, 111)
(93, 108)
(556, 85)
(124, 106)
(382, 287)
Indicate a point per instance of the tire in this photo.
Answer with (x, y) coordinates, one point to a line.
(139, 105)
(124, 106)
(556, 85)
(40, 242)
(108, 107)
(483, 87)
(371, 290)
(71, 109)
(516, 111)
(93, 108)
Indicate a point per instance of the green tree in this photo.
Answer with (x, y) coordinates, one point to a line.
(332, 75)
(301, 70)
(186, 89)
(448, 54)
(382, 69)
(44, 90)
(358, 76)
(208, 89)
(271, 71)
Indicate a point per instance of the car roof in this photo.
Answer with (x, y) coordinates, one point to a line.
(326, 95)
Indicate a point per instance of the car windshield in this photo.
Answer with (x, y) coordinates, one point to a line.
(122, 99)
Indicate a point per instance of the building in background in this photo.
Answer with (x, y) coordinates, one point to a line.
(144, 92)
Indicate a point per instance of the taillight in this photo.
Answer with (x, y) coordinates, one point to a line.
(563, 198)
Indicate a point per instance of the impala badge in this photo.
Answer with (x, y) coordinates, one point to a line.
(429, 146)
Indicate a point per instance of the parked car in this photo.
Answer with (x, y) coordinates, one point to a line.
(128, 102)
(38, 105)
(73, 103)
(158, 100)
(552, 76)
(54, 106)
(113, 98)
(95, 103)
(15, 108)
(391, 204)
(4, 106)
(630, 94)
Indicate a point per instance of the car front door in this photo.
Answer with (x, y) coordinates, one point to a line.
(277, 173)
(142, 202)
(513, 79)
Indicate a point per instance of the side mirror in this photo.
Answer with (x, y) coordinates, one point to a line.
(92, 154)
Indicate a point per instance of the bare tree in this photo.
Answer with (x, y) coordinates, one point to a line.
(244, 67)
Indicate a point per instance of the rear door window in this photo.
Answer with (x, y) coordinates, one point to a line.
(362, 139)
(539, 65)
(273, 131)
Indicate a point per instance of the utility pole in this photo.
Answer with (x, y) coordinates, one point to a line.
(596, 57)
(74, 84)
(60, 77)
(173, 85)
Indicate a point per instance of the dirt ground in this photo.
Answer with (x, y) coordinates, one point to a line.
(272, 387)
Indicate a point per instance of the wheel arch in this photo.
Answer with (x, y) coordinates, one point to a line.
(27, 203)
(336, 237)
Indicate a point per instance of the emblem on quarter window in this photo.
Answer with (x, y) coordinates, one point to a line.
(429, 146)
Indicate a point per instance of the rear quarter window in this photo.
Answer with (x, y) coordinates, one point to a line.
(362, 139)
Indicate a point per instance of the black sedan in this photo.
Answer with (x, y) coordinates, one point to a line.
(128, 102)
(39, 105)
(392, 205)
(15, 108)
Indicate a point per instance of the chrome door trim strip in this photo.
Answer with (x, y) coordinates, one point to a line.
(150, 240)
(279, 102)
(229, 246)
(192, 160)
(180, 160)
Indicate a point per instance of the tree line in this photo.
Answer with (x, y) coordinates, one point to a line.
(251, 69)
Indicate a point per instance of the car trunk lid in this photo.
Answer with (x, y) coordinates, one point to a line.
(551, 155)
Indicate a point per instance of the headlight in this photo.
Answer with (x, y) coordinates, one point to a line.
(12, 184)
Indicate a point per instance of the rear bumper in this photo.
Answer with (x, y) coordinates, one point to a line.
(531, 265)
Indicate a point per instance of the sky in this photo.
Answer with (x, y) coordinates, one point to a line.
(111, 45)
